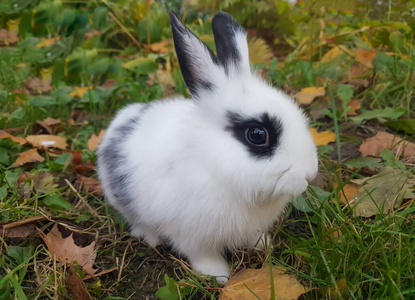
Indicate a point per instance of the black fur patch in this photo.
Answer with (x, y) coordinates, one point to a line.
(239, 124)
(224, 28)
(189, 71)
(115, 161)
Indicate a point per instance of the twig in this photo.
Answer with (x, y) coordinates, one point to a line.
(22, 222)
(100, 273)
(136, 42)
(92, 211)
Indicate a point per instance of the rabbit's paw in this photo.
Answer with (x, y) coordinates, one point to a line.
(211, 264)
(150, 236)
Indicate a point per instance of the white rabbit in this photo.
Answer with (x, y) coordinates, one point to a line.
(215, 172)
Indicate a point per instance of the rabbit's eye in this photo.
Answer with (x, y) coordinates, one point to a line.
(257, 136)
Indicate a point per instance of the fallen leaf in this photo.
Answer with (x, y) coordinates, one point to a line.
(381, 193)
(47, 42)
(66, 251)
(322, 138)
(47, 140)
(307, 95)
(38, 85)
(49, 123)
(333, 53)
(5, 135)
(83, 169)
(80, 91)
(92, 33)
(160, 47)
(259, 282)
(91, 185)
(75, 286)
(46, 74)
(13, 25)
(27, 157)
(44, 183)
(20, 231)
(354, 105)
(347, 193)
(109, 83)
(383, 140)
(365, 57)
(94, 140)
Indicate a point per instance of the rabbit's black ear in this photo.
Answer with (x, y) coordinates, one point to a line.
(230, 40)
(198, 63)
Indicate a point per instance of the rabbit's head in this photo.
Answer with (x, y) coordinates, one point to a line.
(257, 138)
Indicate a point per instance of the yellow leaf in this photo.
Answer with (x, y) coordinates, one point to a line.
(47, 42)
(244, 284)
(46, 74)
(322, 138)
(307, 95)
(13, 25)
(333, 53)
(80, 91)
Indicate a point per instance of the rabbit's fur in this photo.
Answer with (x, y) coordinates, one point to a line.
(191, 172)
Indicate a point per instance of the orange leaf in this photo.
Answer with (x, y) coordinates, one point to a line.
(47, 140)
(89, 184)
(354, 105)
(5, 135)
(333, 53)
(383, 140)
(160, 47)
(95, 140)
(246, 282)
(348, 192)
(365, 57)
(66, 251)
(322, 138)
(80, 91)
(47, 42)
(27, 157)
(307, 95)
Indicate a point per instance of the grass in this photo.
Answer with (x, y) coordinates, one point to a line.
(325, 245)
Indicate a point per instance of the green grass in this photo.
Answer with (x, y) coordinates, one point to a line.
(371, 258)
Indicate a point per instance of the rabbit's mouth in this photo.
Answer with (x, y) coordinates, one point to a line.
(289, 183)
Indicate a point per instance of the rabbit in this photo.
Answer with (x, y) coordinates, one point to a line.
(211, 173)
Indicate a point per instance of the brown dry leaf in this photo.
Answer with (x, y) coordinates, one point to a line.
(47, 140)
(160, 47)
(49, 123)
(27, 157)
(44, 182)
(382, 193)
(259, 282)
(37, 85)
(47, 42)
(383, 140)
(20, 231)
(5, 135)
(307, 95)
(91, 185)
(348, 192)
(365, 57)
(66, 251)
(322, 138)
(92, 33)
(80, 91)
(94, 141)
(75, 286)
(109, 83)
(354, 105)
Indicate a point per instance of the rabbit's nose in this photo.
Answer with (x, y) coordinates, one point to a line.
(310, 178)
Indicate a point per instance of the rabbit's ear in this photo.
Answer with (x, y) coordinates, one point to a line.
(231, 43)
(198, 64)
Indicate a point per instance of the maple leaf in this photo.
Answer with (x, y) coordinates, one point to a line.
(245, 283)
(27, 157)
(365, 57)
(66, 251)
(307, 95)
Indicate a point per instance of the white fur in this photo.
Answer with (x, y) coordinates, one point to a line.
(193, 183)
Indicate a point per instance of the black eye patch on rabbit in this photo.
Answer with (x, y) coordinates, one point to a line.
(213, 172)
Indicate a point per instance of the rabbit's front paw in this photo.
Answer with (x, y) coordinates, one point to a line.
(211, 264)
